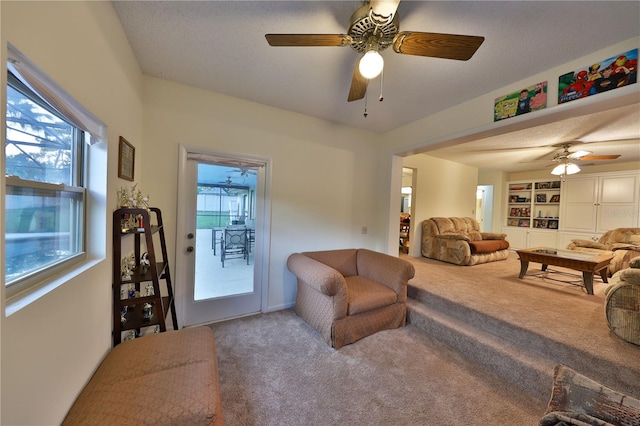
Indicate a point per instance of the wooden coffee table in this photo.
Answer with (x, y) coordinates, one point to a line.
(587, 263)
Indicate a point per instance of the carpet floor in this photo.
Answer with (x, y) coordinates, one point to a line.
(277, 370)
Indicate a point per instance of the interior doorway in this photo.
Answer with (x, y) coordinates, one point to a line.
(407, 203)
(484, 207)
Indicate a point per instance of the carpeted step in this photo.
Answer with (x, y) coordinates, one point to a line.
(529, 372)
(518, 350)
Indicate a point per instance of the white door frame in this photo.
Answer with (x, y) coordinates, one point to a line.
(183, 292)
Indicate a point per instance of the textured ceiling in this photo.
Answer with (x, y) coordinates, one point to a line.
(220, 46)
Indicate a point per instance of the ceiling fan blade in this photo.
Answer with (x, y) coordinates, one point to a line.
(308, 39)
(358, 86)
(599, 157)
(446, 46)
(383, 10)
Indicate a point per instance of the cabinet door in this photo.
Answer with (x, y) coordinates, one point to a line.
(542, 239)
(517, 237)
(578, 200)
(618, 201)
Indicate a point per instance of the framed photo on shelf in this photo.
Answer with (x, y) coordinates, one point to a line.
(553, 224)
(523, 223)
(541, 198)
(126, 159)
(555, 198)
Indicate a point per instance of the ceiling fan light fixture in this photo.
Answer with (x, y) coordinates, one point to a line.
(565, 168)
(371, 64)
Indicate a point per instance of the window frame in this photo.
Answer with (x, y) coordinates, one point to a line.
(37, 278)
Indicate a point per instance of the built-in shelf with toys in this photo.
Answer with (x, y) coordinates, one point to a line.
(533, 213)
(139, 306)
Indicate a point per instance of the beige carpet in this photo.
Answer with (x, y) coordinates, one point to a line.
(276, 370)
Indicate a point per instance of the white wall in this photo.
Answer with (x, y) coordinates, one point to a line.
(51, 347)
(324, 176)
(443, 189)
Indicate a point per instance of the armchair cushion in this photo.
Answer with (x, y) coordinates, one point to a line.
(366, 295)
(488, 246)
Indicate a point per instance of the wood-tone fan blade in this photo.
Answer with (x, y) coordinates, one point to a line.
(358, 86)
(384, 10)
(446, 46)
(599, 157)
(308, 39)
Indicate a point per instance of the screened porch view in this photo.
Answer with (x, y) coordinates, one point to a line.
(225, 231)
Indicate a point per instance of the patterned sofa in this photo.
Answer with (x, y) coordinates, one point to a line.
(458, 240)
(168, 378)
(351, 293)
(623, 242)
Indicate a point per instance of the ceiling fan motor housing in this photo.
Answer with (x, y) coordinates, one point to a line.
(363, 29)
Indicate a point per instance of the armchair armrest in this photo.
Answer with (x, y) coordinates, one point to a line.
(452, 236)
(322, 278)
(625, 246)
(493, 236)
(589, 244)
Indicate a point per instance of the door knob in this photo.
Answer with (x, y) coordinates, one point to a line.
(189, 249)
(190, 236)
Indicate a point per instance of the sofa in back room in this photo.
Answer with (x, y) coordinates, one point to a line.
(458, 240)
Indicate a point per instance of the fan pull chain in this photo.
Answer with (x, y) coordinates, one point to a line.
(365, 106)
(381, 98)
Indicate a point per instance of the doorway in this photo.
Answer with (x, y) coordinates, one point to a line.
(484, 207)
(221, 216)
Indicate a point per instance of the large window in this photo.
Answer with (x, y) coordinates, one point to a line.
(44, 203)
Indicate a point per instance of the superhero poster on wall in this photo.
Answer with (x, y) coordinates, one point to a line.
(617, 71)
(526, 100)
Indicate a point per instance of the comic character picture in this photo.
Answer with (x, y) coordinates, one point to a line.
(614, 72)
(526, 100)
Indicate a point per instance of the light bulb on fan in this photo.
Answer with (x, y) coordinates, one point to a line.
(371, 64)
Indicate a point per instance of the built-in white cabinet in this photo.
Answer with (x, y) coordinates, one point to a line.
(594, 204)
(583, 206)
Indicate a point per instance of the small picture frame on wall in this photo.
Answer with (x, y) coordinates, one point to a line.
(126, 159)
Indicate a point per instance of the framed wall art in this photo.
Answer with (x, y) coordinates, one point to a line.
(126, 159)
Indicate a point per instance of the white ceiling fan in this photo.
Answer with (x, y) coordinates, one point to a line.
(565, 159)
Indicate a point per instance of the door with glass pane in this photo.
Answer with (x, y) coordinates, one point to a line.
(220, 217)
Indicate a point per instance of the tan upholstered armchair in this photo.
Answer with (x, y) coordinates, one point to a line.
(623, 242)
(352, 293)
(459, 240)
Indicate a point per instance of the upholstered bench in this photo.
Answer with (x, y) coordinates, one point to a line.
(165, 378)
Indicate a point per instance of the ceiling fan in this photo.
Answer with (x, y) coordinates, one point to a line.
(374, 27)
(565, 158)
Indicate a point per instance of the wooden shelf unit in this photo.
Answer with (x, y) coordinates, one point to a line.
(157, 271)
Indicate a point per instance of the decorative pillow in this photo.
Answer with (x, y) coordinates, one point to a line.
(589, 244)
(572, 392)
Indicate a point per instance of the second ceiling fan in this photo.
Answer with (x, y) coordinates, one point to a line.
(374, 27)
